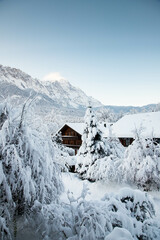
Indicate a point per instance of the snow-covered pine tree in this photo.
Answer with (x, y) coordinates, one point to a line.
(28, 172)
(108, 168)
(99, 158)
(141, 164)
(93, 144)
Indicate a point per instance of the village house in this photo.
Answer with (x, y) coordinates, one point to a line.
(146, 124)
(71, 135)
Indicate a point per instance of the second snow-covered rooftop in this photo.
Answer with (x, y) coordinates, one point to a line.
(147, 123)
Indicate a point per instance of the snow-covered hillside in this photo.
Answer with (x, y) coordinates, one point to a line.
(52, 103)
(17, 84)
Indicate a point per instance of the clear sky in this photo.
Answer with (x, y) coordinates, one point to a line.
(108, 48)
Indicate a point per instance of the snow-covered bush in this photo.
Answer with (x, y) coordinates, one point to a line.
(108, 168)
(108, 115)
(134, 211)
(64, 155)
(57, 138)
(28, 172)
(129, 212)
(50, 221)
(141, 164)
(120, 234)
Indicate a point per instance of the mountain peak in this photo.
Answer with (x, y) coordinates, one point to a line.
(61, 81)
(55, 77)
(54, 89)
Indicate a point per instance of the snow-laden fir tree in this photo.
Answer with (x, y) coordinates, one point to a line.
(108, 168)
(28, 172)
(93, 145)
(92, 141)
(141, 164)
(98, 158)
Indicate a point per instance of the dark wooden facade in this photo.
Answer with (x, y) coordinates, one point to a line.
(126, 141)
(71, 138)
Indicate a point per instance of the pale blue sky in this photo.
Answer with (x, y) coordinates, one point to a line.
(108, 48)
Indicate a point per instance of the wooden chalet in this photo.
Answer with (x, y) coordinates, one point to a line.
(148, 124)
(71, 135)
(124, 129)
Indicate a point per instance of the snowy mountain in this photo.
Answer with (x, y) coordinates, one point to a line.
(19, 85)
(55, 102)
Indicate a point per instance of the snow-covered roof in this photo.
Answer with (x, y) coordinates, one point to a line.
(78, 127)
(105, 128)
(148, 122)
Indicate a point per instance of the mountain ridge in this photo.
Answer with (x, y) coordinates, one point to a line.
(127, 109)
(62, 92)
(59, 95)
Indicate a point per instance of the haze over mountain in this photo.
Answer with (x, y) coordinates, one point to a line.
(131, 109)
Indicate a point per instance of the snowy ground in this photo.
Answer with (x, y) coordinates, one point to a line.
(74, 184)
(96, 189)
